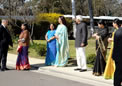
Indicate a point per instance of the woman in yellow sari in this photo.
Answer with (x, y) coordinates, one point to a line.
(110, 66)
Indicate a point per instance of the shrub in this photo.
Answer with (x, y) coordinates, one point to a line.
(40, 30)
(91, 59)
(42, 23)
(15, 39)
(39, 48)
(50, 17)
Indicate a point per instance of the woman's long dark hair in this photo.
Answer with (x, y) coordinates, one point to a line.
(117, 21)
(63, 20)
(101, 22)
(26, 26)
(105, 25)
(53, 26)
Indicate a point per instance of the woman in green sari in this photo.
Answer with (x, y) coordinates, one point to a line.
(62, 43)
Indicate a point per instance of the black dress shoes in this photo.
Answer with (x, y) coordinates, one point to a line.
(7, 69)
(3, 69)
(83, 70)
(77, 69)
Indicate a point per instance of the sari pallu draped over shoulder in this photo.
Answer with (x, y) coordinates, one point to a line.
(62, 46)
(110, 66)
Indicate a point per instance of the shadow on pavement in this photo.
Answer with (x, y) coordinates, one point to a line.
(37, 66)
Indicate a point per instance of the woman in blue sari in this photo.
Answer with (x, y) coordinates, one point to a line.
(62, 43)
(51, 46)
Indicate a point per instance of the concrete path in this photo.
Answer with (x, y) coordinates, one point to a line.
(63, 72)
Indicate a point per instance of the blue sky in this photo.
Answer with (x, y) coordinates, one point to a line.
(120, 1)
(27, 0)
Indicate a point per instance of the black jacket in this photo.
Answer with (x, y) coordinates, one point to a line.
(81, 34)
(5, 38)
(117, 50)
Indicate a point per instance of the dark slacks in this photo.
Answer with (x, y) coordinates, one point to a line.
(3, 57)
(118, 74)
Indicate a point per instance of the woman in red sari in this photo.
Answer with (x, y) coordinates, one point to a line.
(24, 39)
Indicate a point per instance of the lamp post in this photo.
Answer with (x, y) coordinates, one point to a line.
(73, 18)
(91, 16)
(9, 3)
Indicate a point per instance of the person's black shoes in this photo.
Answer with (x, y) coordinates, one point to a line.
(7, 69)
(83, 70)
(77, 69)
(3, 69)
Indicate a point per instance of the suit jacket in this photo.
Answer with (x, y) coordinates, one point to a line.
(81, 34)
(117, 50)
(5, 38)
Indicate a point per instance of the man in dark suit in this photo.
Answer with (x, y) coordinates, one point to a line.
(5, 41)
(80, 43)
(117, 57)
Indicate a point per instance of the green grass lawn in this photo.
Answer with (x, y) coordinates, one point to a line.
(90, 49)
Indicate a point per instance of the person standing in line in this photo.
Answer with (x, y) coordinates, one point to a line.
(24, 41)
(51, 46)
(62, 43)
(80, 44)
(110, 66)
(117, 57)
(101, 49)
(5, 41)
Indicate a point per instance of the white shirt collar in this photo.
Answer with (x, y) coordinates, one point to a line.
(3, 26)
